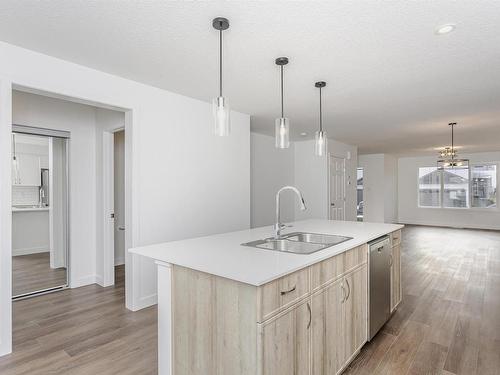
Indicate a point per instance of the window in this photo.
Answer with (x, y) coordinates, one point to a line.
(429, 187)
(359, 188)
(484, 186)
(455, 188)
(451, 188)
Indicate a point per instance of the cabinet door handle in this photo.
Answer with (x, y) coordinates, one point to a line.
(343, 292)
(310, 315)
(288, 291)
(348, 289)
(391, 260)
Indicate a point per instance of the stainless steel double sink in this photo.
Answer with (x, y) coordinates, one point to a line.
(299, 242)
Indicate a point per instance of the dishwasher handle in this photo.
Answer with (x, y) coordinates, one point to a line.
(379, 244)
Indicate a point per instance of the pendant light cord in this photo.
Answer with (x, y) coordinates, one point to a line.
(282, 107)
(320, 112)
(452, 142)
(220, 62)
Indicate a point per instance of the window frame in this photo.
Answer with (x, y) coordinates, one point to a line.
(470, 207)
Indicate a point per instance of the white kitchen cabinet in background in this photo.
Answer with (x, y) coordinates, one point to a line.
(28, 170)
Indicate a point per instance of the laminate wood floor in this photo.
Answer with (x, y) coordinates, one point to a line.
(80, 331)
(449, 320)
(448, 323)
(32, 272)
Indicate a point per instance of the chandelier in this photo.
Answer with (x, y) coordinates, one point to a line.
(448, 155)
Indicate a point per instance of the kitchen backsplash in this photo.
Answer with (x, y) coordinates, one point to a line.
(24, 195)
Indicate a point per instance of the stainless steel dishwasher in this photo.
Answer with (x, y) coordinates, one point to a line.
(380, 284)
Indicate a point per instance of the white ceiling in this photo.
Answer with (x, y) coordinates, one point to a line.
(392, 83)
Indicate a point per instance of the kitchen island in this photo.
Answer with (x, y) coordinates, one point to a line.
(224, 308)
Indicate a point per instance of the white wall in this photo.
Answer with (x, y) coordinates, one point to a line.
(300, 167)
(181, 181)
(380, 192)
(410, 213)
(311, 178)
(271, 169)
(373, 187)
(390, 188)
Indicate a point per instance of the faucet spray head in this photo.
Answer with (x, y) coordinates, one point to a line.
(302, 204)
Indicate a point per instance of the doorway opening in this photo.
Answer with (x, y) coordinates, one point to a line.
(113, 214)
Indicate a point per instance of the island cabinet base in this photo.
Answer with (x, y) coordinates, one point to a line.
(312, 321)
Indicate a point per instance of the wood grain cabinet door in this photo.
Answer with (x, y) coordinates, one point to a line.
(355, 311)
(285, 342)
(327, 345)
(396, 293)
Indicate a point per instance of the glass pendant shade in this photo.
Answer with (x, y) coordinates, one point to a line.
(282, 135)
(320, 144)
(222, 120)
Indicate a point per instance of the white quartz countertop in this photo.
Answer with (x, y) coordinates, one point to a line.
(29, 209)
(222, 254)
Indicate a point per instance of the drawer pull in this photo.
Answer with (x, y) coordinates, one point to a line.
(310, 315)
(349, 289)
(288, 291)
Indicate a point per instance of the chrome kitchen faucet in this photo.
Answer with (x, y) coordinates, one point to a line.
(278, 226)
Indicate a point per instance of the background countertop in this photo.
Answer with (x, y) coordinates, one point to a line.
(29, 209)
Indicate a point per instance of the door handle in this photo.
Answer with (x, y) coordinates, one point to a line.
(391, 260)
(343, 292)
(121, 227)
(348, 289)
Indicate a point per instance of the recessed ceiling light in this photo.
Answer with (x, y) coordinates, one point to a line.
(303, 134)
(445, 29)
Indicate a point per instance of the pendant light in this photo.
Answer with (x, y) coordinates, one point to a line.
(448, 155)
(220, 105)
(320, 139)
(282, 124)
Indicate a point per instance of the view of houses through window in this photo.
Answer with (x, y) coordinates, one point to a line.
(458, 188)
(484, 186)
(359, 186)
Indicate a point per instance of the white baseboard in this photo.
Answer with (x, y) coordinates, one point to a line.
(29, 250)
(5, 349)
(120, 261)
(144, 302)
(83, 281)
(99, 280)
(448, 225)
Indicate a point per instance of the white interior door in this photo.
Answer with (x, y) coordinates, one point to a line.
(337, 188)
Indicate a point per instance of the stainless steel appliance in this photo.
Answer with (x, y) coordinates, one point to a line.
(44, 188)
(380, 284)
